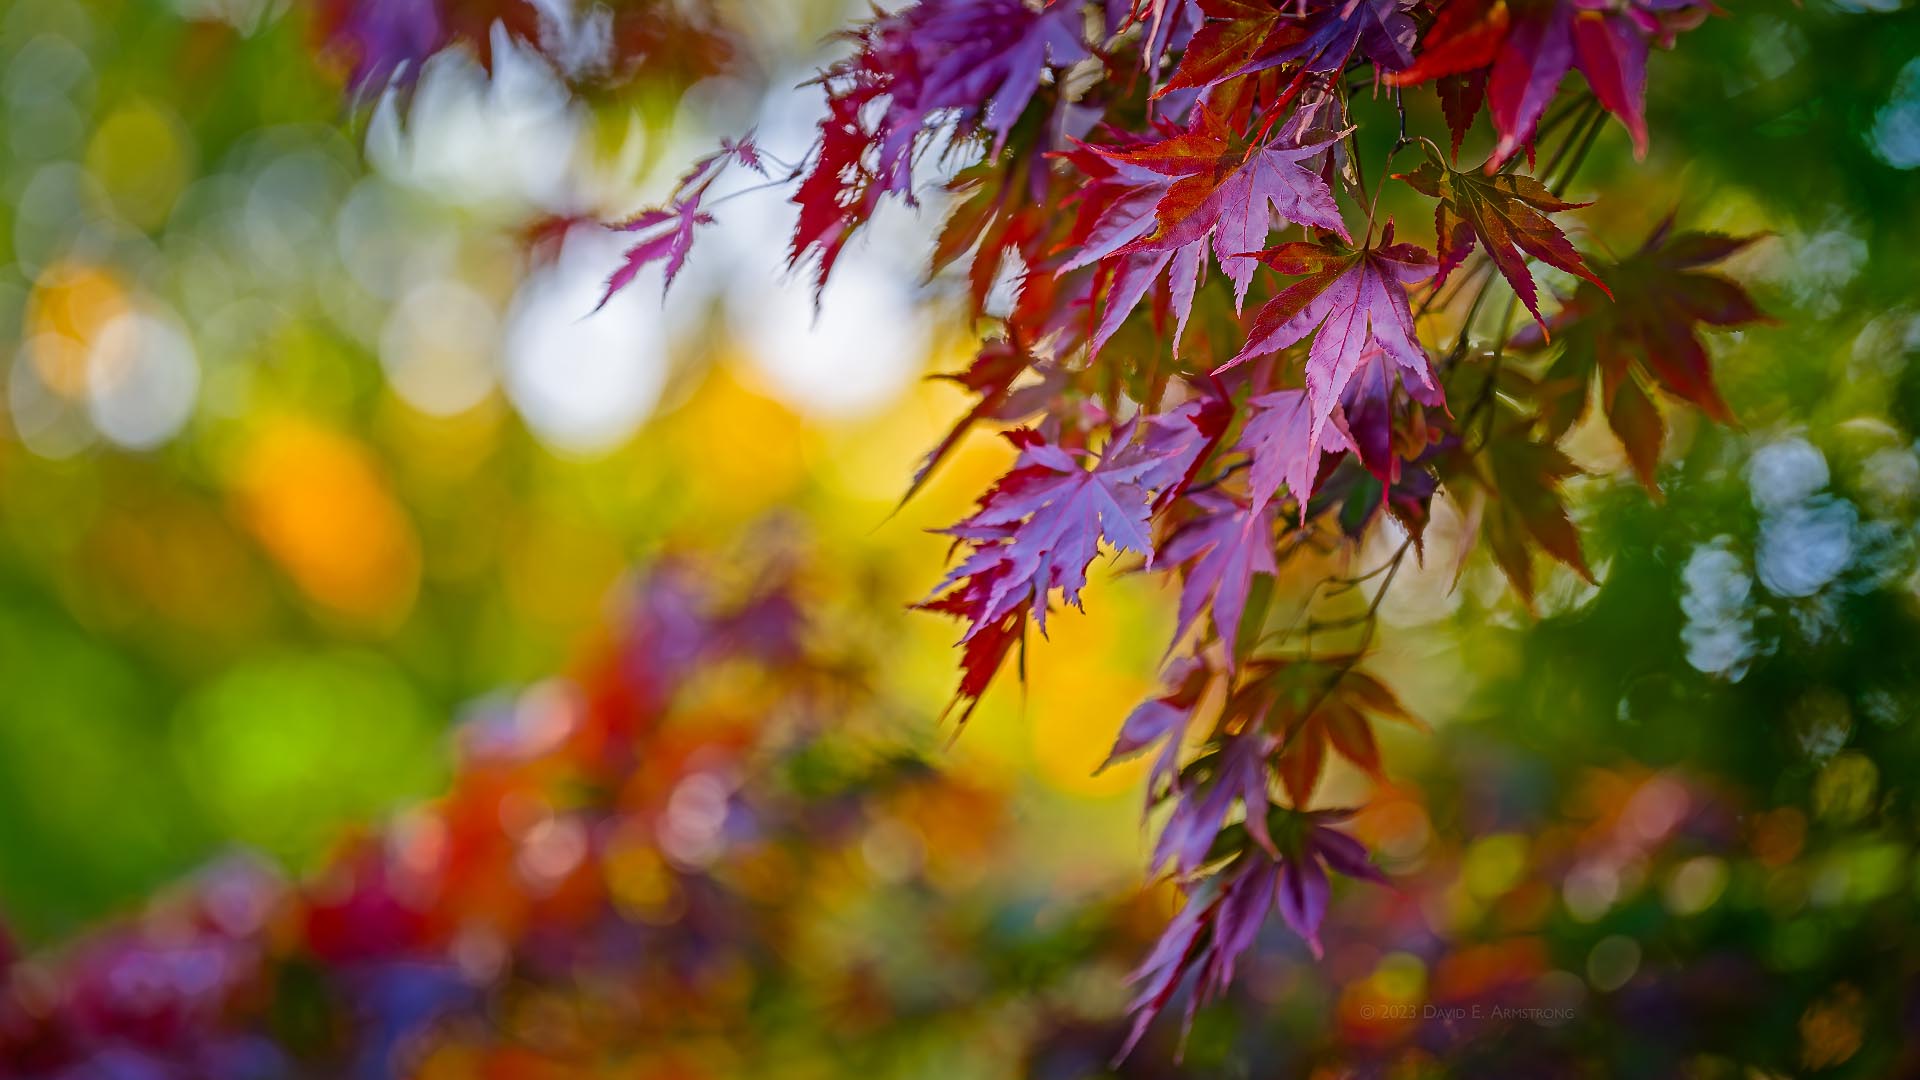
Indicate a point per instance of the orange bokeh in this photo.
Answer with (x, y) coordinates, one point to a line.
(322, 507)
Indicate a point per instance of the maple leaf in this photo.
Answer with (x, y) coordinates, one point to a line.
(1286, 451)
(1224, 912)
(1227, 191)
(1114, 207)
(1002, 212)
(1506, 213)
(1178, 441)
(1133, 277)
(1529, 47)
(1460, 100)
(670, 244)
(1237, 33)
(1315, 707)
(1162, 720)
(677, 220)
(745, 150)
(1228, 544)
(1233, 770)
(1377, 426)
(976, 62)
(1311, 849)
(1044, 520)
(1158, 207)
(973, 64)
(1000, 362)
(840, 192)
(1244, 37)
(1352, 300)
(1040, 527)
(1646, 328)
(1511, 487)
(984, 648)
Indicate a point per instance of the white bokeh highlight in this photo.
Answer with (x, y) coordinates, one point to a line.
(584, 380)
(143, 378)
(438, 348)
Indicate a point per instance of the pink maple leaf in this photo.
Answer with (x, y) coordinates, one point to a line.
(1351, 300)
(1159, 207)
(1227, 191)
(1286, 449)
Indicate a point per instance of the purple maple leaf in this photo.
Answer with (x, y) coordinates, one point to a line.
(1227, 546)
(1224, 913)
(1162, 720)
(1040, 526)
(677, 220)
(1313, 851)
(1178, 441)
(1117, 208)
(975, 62)
(1335, 29)
(1240, 773)
(1159, 207)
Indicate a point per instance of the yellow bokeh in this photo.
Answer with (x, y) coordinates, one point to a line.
(1076, 696)
(143, 158)
(559, 569)
(752, 450)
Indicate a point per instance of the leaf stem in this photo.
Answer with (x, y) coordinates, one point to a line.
(1580, 155)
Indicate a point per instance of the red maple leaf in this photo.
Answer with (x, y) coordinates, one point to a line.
(1460, 98)
(1646, 329)
(976, 65)
(1529, 47)
(1506, 213)
(1243, 37)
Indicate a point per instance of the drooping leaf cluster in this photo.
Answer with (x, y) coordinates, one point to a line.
(1230, 358)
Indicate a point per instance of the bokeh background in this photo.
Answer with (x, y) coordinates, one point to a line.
(316, 453)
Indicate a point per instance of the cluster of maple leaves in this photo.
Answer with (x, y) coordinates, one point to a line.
(1204, 149)
(380, 42)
